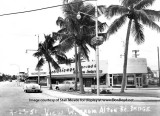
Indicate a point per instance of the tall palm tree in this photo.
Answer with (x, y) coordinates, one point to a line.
(78, 32)
(137, 13)
(50, 52)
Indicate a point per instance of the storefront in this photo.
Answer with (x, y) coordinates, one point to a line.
(136, 73)
(88, 70)
(110, 73)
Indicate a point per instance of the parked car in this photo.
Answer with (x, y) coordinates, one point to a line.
(66, 85)
(31, 85)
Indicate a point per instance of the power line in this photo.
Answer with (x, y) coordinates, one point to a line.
(27, 11)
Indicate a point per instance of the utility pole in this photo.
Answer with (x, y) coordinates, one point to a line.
(135, 53)
(158, 65)
(38, 60)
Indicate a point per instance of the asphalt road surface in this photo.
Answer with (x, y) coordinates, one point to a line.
(15, 102)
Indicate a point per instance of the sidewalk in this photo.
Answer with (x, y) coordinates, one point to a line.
(143, 95)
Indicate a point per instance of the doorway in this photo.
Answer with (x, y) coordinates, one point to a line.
(138, 81)
(88, 82)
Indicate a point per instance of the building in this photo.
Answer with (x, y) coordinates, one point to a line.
(136, 72)
(111, 73)
(88, 70)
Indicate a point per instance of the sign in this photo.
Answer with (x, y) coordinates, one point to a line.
(87, 68)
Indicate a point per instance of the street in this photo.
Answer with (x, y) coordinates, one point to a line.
(15, 102)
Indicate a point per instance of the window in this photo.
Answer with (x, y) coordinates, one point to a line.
(130, 79)
(117, 79)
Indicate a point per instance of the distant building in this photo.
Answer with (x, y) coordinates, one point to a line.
(33, 73)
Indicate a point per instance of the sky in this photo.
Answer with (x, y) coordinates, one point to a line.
(20, 32)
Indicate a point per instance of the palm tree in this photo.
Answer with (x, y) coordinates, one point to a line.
(137, 13)
(78, 33)
(46, 51)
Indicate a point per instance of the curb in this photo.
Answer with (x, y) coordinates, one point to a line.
(103, 98)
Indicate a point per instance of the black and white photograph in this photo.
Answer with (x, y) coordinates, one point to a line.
(79, 58)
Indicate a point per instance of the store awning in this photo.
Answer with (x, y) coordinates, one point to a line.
(73, 76)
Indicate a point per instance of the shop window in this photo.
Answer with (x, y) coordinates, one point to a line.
(130, 79)
(103, 80)
(117, 79)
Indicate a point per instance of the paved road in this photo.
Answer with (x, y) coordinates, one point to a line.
(14, 102)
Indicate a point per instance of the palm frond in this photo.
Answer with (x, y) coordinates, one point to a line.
(62, 58)
(114, 10)
(63, 30)
(143, 4)
(40, 63)
(130, 3)
(38, 54)
(137, 31)
(87, 40)
(145, 19)
(84, 52)
(101, 9)
(54, 64)
(116, 25)
(154, 15)
(60, 22)
(66, 44)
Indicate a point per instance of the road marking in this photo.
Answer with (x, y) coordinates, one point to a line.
(76, 109)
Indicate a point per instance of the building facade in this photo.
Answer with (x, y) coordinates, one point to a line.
(136, 72)
(110, 73)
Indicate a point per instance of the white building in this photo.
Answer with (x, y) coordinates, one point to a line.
(110, 73)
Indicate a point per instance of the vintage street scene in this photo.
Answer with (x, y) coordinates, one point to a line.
(80, 58)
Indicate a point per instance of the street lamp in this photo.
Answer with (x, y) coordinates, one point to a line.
(97, 46)
(38, 60)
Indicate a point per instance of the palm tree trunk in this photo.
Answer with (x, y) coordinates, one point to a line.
(126, 57)
(80, 71)
(50, 81)
(76, 67)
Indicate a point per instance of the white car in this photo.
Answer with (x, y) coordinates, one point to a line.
(31, 85)
(66, 85)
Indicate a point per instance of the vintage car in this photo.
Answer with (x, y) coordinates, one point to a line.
(66, 85)
(31, 85)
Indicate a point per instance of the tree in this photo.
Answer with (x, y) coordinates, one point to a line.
(50, 52)
(78, 32)
(137, 13)
(150, 72)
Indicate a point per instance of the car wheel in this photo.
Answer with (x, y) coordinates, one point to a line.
(25, 91)
(57, 88)
(71, 89)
